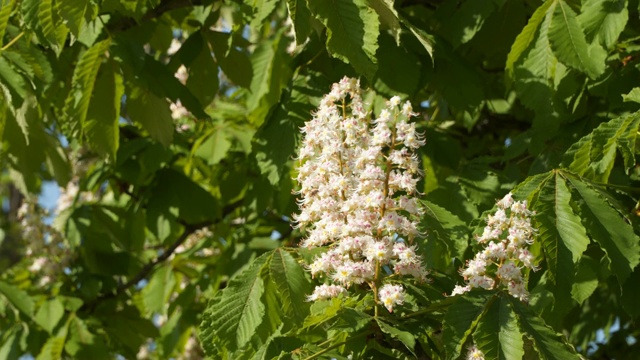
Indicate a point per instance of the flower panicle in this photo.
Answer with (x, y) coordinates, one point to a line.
(358, 181)
(505, 254)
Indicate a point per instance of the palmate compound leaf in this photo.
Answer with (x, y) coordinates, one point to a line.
(461, 319)
(235, 313)
(609, 229)
(352, 31)
(594, 155)
(498, 335)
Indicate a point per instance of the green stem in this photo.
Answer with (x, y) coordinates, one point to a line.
(12, 41)
(324, 351)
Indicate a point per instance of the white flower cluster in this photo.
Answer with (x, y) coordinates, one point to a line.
(195, 239)
(358, 178)
(506, 239)
(473, 353)
(44, 246)
(71, 194)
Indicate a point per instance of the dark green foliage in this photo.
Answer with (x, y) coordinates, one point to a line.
(174, 230)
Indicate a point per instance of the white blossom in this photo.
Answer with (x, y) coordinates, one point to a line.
(391, 295)
(473, 353)
(505, 255)
(358, 180)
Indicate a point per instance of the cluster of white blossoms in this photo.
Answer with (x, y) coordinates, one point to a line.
(358, 181)
(506, 239)
(473, 353)
(195, 239)
(71, 194)
(44, 245)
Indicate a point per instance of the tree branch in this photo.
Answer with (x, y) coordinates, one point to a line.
(149, 267)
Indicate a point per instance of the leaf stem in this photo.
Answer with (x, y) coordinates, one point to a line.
(326, 350)
(15, 39)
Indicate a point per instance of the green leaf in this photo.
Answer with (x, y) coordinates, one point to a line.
(352, 32)
(594, 155)
(610, 230)
(82, 85)
(535, 76)
(289, 278)
(561, 224)
(388, 17)
(52, 349)
(261, 11)
(31, 61)
(524, 39)
(498, 335)
(531, 186)
(6, 7)
(603, 20)
(325, 310)
(585, 281)
(271, 73)
(82, 342)
(50, 314)
(176, 194)
(13, 84)
(633, 95)
(234, 314)
(549, 344)
(631, 293)
(301, 18)
(405, 337)
(448, 228)
(425, 39)
(152, 112)
(53, 29)
(213, 147)
(103, 116)
(467, 20)
(233, 61)
(461, 319)
(398, 71)
(157, 292)
(72, 11)
(203, 75)
(563, 238)
(570, 45)
(18, 298)
(29, 10)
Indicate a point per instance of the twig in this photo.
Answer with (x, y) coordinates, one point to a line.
(146, 270)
